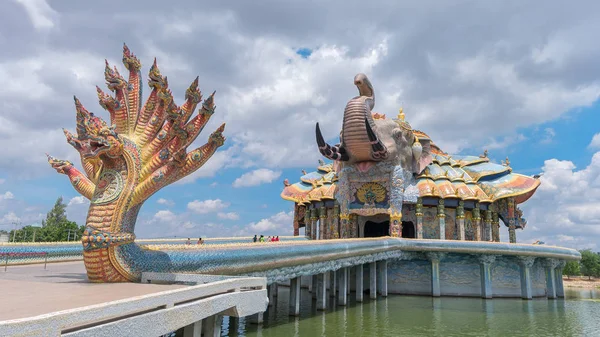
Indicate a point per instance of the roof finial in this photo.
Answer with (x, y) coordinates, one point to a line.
(304, 172)
(507, 162)
(286, 182)
(321, 162)
(401, 115)
(484, 155)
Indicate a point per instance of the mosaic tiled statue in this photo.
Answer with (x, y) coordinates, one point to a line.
(367, 138)
(143, 149)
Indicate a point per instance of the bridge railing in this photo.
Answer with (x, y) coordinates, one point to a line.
(23, 257)
(149, 315)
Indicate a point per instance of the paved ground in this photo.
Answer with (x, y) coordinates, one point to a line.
(31, 291)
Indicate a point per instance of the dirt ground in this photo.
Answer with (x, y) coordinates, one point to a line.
(576, 282)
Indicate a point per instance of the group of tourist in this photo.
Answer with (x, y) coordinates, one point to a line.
(268, 239)
(189, 241)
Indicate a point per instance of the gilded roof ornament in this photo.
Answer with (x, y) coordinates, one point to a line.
(401, 115)
(507, 162)
(286, 182)
(304, 172)
(484, 155)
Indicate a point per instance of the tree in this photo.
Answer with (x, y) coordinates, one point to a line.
(56, 227)
(572, 268)
(590, 263)
(57, 214)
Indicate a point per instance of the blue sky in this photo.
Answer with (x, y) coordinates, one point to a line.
(528, 90)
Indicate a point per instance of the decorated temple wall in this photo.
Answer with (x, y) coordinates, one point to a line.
(431, 229)
(460, 276)
(506, 278)
(451, 230)
(538, 279)
(409, 277)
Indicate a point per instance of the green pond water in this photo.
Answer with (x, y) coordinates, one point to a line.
(396, 315)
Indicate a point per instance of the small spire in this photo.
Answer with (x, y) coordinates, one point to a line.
(507, 162)
(286, 182)
(304, 172)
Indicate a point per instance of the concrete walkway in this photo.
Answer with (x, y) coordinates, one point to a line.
(30, 290)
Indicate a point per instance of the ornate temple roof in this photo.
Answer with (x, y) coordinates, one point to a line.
(459, 177)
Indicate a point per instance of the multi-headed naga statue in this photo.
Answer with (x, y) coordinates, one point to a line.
(142, 150)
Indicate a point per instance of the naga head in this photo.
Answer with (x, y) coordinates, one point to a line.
(61, 166)
(94, 137)
(216, 137)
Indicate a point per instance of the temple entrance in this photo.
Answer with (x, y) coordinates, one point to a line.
(377, 229)
(408, 230)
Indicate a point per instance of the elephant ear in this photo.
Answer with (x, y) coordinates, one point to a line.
(425, 158)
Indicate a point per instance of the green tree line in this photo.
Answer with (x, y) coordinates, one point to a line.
(56, 227)
(588, 266)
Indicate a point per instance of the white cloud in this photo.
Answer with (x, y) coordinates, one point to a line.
(165, 216)
(565, 207)
(166, 202)
(548, 136)
(214, 184)
(7, 196)
(228, 216)
(10, 218)
(207, 206)
(2, 181)
(79, 200)
(281, 223)
(40, 13)
(595, 143)
(256, 177)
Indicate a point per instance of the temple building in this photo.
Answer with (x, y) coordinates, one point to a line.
(453, 198)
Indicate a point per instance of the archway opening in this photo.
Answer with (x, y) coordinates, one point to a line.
(408, 230)
(377, 229)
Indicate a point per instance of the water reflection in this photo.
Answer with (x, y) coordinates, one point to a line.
(426, 316)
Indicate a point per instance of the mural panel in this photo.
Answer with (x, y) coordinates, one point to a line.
(431, 230)
(451, 230)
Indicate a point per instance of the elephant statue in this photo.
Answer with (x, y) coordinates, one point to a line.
(366, 140)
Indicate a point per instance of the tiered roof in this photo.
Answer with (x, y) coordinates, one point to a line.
(458, 177)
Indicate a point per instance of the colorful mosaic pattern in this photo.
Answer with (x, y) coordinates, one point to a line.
(141, 150)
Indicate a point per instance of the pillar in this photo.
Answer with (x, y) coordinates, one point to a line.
(512, 236)
(550, 266)
(495, 227)
(314, 223)
(477, 221)
(396, 224)
(526, 262)
(332, 283)
(307, 222)
(344, 219)
(441, 216)
(342, 286)
(313, 285)
(193, 330)
(359, 282)
(272, 290)
(487, 231)
(353, 226)
(257, 318)
(560, 290)
(435, 258)
(331, 230)
(485, 264)
(321, 291)
(419, 216)
(382, 269)
(212, 326)
(335, 230)
(373, 280)
(295, 296)
(322, 223)
(460, 219)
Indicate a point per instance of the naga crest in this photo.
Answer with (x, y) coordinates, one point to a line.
(94, 136)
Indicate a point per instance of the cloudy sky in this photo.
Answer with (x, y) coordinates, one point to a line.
(519, 78)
